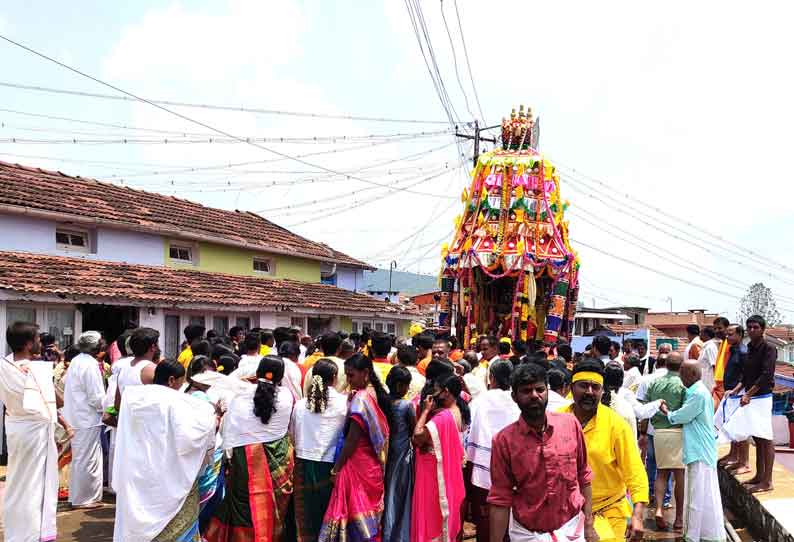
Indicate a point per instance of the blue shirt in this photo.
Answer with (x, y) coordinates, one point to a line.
(697, 417)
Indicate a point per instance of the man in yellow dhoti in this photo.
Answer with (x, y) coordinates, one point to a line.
(612, 455)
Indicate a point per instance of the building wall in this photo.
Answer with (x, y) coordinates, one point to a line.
(349, 278)
(128, 246)
(345, 324)
(21, 233)
(239, 261)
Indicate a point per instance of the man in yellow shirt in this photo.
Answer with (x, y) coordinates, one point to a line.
(192, 333)
(268, 342)
(613, 456)
(381, 346)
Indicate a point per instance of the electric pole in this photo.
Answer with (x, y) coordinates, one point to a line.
(477, 137)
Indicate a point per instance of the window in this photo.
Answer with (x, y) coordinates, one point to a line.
(60, 322)
(263, 266)
(197, 321)
(220, 324)
(379, 326)
(73, 240)
(180, 253)
(243, 322)
(390, 328)
(298, 321)
(354, 327)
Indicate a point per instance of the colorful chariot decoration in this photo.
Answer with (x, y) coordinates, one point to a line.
(510, 265)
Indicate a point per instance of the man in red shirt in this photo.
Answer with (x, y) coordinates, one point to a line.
(539, 470)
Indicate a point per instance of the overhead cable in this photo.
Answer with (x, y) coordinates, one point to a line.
(240, 109)
(455, 60)
(378, 197)
(468, 64)
(668, 217)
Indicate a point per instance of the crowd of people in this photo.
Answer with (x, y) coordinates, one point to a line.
(271, 435)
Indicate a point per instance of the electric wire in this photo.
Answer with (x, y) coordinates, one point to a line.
(667, 216)
(689, 239)
(378, 197)
(455, 60)
(240, 109)
(468, 64)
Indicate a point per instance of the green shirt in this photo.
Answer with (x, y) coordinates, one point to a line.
(670, 388)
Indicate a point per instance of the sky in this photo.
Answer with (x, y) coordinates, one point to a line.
(669, 122)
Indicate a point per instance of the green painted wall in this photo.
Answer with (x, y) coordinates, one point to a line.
(239, 261)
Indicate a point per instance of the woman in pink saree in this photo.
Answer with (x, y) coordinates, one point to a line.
(438, 486)
(356, 506)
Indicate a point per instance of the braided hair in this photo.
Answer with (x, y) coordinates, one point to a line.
(269, 375)
(323, 375)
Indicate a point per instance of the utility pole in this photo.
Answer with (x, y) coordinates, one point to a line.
(477, 137)
(392, 267)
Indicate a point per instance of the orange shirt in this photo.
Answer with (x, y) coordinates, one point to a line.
(422, 365)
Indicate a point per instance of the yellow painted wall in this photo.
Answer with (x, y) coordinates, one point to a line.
(239, 261)
(345, 324)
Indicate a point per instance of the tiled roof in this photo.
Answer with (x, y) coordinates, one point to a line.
(124, 207)
(781, 332)
(163, 286)
(664, 319)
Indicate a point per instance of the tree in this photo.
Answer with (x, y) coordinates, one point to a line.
(759, 300)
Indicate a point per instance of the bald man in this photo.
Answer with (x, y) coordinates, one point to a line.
(703, 517)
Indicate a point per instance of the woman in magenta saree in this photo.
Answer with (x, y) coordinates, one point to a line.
(439, 489)
(356, 505)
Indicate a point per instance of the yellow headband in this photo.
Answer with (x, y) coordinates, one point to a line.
(589, 376)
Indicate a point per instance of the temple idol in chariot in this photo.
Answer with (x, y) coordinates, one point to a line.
(510, 265)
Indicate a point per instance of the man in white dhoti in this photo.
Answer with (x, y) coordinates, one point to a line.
(26, 390)
(84, 393)
(163, 438)
(703, 518)
(753, 417)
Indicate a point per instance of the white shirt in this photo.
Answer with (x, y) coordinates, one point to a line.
(475, 382)
(491, 412)
(163, 438)
(25, 397)
(292, 378)
(242, 427)
(631, 378)
(113, 381)
(556, 401)
(83, 393)
(247, 366)
(642, 390)
(131, 374)
(707, 360)
(315, 434)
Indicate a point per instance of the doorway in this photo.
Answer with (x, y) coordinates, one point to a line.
(110, 320)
